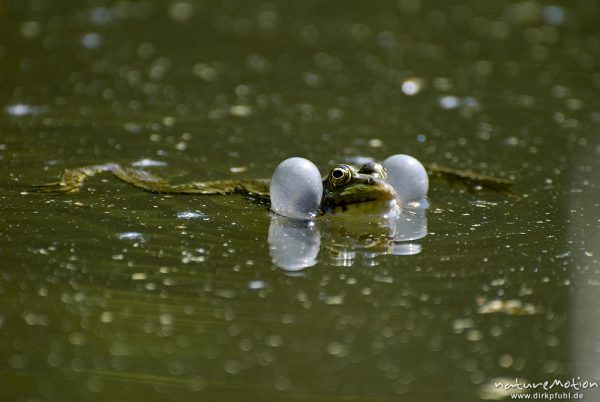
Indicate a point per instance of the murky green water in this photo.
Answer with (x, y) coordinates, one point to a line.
(117, 294)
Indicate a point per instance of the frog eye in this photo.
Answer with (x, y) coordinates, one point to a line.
(340, 176)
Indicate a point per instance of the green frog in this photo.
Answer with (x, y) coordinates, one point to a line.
(345, 189)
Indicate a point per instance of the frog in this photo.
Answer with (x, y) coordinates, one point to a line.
(297, 189)
(344, 187)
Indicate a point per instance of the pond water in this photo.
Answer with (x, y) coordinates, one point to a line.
(112, 293)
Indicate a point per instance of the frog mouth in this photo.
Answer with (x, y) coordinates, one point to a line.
(372, 197)
(368, 192)
(377, 207)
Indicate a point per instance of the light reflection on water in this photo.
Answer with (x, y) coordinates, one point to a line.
(22, 110)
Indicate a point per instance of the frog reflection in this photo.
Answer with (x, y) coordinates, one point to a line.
(295, 244)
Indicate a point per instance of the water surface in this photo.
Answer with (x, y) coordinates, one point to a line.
(113, 293)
